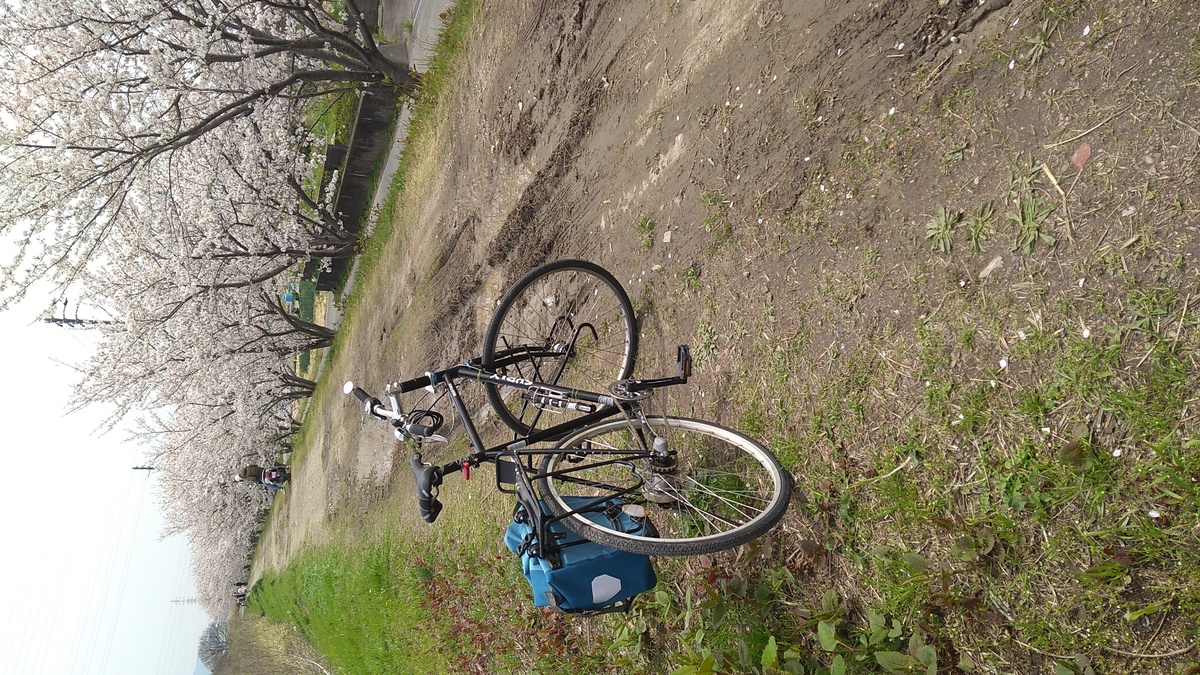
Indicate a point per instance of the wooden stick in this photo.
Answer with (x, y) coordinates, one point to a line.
(1197, 131)
(1066, 209)
(883, 477)
(1182, 316)
(1079, 136)
(1053, 180)
(1165, 655)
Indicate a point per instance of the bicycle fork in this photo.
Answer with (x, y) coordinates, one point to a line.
(660, 481)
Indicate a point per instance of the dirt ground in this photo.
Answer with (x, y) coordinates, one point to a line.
(762, 176)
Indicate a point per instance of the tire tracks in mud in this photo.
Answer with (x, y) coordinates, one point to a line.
(527, 235)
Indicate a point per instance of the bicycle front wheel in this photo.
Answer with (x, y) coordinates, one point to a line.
(720, 490)
(567, 323)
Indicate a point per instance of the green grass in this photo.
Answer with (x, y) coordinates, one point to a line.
(1192, 63)
(1039, 44)
(717, 221)
(980, 227)
(331, 117)
(355, 604)
(1029, 219)
(940, 230)
(644, 228)
(691, 277)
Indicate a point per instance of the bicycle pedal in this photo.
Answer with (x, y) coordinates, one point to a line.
(684, 359)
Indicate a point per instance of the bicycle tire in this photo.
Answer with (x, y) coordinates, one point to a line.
(542, 311)
(726, 488)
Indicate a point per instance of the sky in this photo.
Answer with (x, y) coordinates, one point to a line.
(89, 585)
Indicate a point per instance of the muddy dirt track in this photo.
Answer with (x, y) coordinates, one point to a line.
(592, 115)
(760, 175)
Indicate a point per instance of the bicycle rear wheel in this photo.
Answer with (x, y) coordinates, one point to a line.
(567, 323)
(723, 490)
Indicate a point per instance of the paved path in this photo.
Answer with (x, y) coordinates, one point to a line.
(426, 22)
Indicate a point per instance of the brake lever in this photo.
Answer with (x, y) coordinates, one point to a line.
(403, 435)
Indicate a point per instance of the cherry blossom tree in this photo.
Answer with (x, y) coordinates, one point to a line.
(155, 154)
(92, 95)
(197, 449)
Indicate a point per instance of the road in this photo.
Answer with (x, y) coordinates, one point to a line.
(425, 17)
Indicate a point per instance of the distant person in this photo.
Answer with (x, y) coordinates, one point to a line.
(270, 479)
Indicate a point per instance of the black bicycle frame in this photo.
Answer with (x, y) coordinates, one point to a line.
(595, 406)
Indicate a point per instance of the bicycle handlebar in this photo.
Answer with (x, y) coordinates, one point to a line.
(427, 477)
(370, 402)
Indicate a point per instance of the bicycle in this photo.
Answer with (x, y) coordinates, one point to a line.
(689, 486)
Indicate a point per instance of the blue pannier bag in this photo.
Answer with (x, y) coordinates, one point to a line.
(591, 577)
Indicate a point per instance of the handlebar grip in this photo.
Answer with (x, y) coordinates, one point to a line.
(414, 384)
(419, 430)
(427, 478)
(369, 402)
